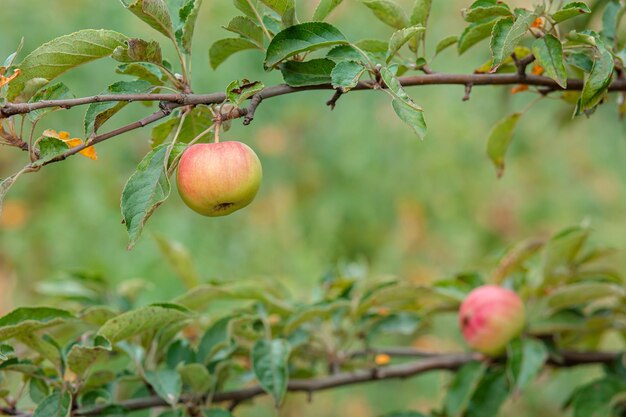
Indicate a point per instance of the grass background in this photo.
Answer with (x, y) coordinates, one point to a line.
(349, 185)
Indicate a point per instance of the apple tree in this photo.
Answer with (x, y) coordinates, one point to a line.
(547, 304)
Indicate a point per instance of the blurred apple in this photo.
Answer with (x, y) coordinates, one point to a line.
(216, 179)
(490, 317)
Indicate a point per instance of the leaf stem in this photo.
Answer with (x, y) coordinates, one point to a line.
(364, 55)
(260, 19)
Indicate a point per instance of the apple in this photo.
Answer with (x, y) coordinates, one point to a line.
(490, 317)
(216, 179)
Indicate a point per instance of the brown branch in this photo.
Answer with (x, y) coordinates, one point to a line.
(163, 112)
(11, 109)
(429, 362)
(172, 101)
(254, 103)
(333, 100)
(522, 64)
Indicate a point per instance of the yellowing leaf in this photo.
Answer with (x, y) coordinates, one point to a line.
(382, 359)
(89, 152)
(5, 80)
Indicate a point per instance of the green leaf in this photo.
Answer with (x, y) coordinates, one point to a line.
(37, 390)
(62, 54)
(480, 11)
(188, 14)
(388, 12)
(489, 395)
(215, 338)
(180, 259)
(138, 50)
(526, 358)
(594, 399)
(239, 91)
(27, 320)
(246, 27)
(144, 319)
(199, 297)
(549, 54)
(597, 82)
(279, 6)
(81, 357)
(445, 43)
(55, 405)
(611, 18)
(570, 11)
(421, 12)
(247, 7)
(411, 116)
(403, 323)
(462, 388)
(196, 377)
(6, 352)
(579, 294)
(346, 53)
(346, 75)
(25, 367)
(97, 315)
(561, 251)
(162, 131)
(313, 72)
(475, 33)
(167, 383)
(500, 139)
(154, 12)
(98, 113)
(49, 148)
(314, 312)
(401, 37)
(304, 37)
(269, 362)
(30, 89)
(58, 91)
(507, 35)
(146, 190)
(196, 122)
(179, 352)
(143, 71)
(224, 48)
(403, 105)
(324, 8)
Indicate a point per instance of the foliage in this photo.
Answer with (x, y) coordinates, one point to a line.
(314, 53)
(104, 352)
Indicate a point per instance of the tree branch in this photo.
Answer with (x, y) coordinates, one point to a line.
(163, 112)
(431, 362)
(172, 101)
(11, 109)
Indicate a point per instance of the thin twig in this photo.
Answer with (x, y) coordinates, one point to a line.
(522, 64)
(158, 115)
(468, 91)
(333, 100)
(249, 113)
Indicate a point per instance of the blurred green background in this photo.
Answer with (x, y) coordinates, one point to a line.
(349, 185)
